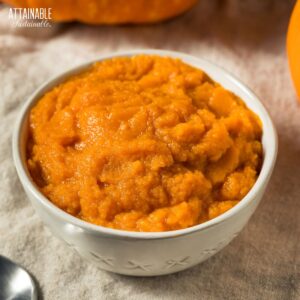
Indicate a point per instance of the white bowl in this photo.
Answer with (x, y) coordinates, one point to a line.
(140, 253)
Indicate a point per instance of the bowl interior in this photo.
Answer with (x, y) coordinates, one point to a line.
(269, 142)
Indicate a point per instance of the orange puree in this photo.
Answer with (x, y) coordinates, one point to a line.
(146, 143)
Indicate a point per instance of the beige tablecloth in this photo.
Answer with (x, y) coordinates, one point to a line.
(263, 261)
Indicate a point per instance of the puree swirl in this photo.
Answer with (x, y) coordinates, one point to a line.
(143, 143)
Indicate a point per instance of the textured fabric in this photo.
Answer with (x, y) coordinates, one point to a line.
(246, 39)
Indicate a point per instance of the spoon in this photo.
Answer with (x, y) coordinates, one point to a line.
(15, 282)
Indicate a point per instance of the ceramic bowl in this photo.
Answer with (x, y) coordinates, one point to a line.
(138, 253)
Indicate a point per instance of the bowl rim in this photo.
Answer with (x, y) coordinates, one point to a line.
(28, 184)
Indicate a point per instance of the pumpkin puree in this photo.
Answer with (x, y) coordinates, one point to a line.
(146, 143)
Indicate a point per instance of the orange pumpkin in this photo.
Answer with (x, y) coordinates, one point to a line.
(109, 12)
(293, 46)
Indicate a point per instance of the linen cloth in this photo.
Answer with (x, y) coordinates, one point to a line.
(249, 41)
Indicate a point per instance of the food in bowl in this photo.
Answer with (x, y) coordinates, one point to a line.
(143, 143)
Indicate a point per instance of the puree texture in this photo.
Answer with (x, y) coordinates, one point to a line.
(146, 143)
